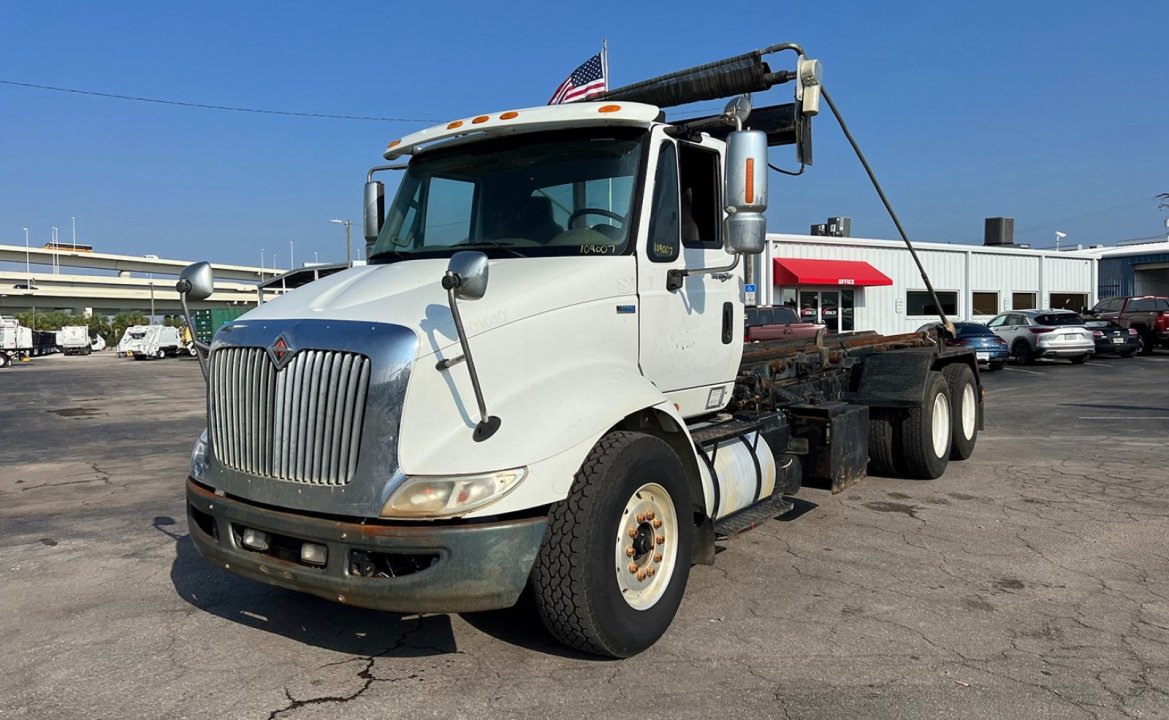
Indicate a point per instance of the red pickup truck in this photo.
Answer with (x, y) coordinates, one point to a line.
(1147, 314)
(777, 323)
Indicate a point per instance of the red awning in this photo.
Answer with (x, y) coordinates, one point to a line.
(793, 271)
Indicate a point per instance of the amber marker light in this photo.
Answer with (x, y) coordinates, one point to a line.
(455, 124)
(510, 114)
(608, 108)
(480, 119)
(749, 172)
(393, 144)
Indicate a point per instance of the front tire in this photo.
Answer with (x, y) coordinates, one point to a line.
(926, 434)
(615, 558)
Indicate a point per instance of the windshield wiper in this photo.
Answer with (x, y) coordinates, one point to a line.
(489, 243)
(397, 254)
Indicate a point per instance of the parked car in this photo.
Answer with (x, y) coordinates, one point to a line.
(1032, 334)
(988, 347)
(1147, 314)
(1112, 339)
(777, 323)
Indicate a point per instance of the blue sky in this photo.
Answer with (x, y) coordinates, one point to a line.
(1054, 113)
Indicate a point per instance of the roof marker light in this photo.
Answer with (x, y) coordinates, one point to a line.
(608, 108)
(510, 114)
(480, 119)
(455, 124)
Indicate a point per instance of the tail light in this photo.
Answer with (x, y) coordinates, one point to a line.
(1133, 331)
(1162, 322)
(1097, 334)
(1040, 330)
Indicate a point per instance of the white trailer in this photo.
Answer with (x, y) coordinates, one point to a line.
(153, 342)
(15, 341)
(74, 340)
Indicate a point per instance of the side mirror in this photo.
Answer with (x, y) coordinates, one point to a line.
(466, 274)
(375, 210)
(196, 281)
(746, 192)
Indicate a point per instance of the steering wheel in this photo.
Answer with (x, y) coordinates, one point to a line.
(594, 211)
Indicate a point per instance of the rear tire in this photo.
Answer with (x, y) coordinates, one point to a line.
(964, 414)
(584, 590)
(1022, 353)
(884, 424)
(926, 434)
(160, 354)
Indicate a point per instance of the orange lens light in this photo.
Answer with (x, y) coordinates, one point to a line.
(480, 119)
(509, 115)
(394, 144)
(455, 124)
(608, 108)
(750, 194)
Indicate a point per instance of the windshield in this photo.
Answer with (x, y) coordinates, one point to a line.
(531, 196)
(1059, 319)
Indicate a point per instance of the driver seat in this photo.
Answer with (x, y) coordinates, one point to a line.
(537, 220)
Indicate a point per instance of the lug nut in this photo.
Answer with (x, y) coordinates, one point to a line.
(657, 523)
(650, 571)
(632, 532)
(641, 575)
(660, 539)
(657, 557)
(633, 568)
(629, 552)
(649, 515)
(640, 517)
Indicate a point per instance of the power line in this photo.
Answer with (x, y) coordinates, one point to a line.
(214, 107)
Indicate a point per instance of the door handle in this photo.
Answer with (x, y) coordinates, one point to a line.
(728, 321)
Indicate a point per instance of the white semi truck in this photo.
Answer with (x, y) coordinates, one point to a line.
(152, 342)
(74, 340)
(16, 341)
(410, 436)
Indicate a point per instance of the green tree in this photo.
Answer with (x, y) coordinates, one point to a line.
(122, 321)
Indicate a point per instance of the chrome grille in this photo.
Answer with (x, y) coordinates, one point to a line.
(301, 424)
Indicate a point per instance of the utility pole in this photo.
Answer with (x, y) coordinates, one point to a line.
(27, 264)
(348, 242)
(74, 233)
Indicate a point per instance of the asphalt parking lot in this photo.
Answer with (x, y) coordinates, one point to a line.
(1030, 581)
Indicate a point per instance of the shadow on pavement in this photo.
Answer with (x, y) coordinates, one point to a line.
(299, 616)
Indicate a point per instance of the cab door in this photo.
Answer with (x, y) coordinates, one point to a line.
(691, 337)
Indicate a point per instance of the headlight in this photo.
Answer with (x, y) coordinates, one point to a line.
(199, 458)
(444, 496)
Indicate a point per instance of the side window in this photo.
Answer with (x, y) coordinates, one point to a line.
(448, 211)
(664, 237)
(998, 321)
(701, 201)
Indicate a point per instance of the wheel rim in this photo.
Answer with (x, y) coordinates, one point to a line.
(969, 412)
(647, 546)
(941, 424)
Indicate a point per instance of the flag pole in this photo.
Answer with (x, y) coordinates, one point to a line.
(605, 72)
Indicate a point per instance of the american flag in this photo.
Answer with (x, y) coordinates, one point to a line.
(584, 82)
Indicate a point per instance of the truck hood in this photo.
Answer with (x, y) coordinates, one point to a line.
(409, 293)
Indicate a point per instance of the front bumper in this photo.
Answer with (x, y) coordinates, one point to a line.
(440, 568)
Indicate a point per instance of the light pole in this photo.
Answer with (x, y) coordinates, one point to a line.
(74, 233)
(27, 264)
(151, 277)
(348, 243)
(56, 260)
(291, 256)
(1059, 236)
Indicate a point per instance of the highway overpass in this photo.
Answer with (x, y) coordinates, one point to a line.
(105, 284)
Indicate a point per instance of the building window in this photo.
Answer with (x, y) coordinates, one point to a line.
(1069, 301)
(986, 303)
(919, 302)
(1023, 301)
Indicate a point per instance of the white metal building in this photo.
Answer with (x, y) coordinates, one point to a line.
(861, 284)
